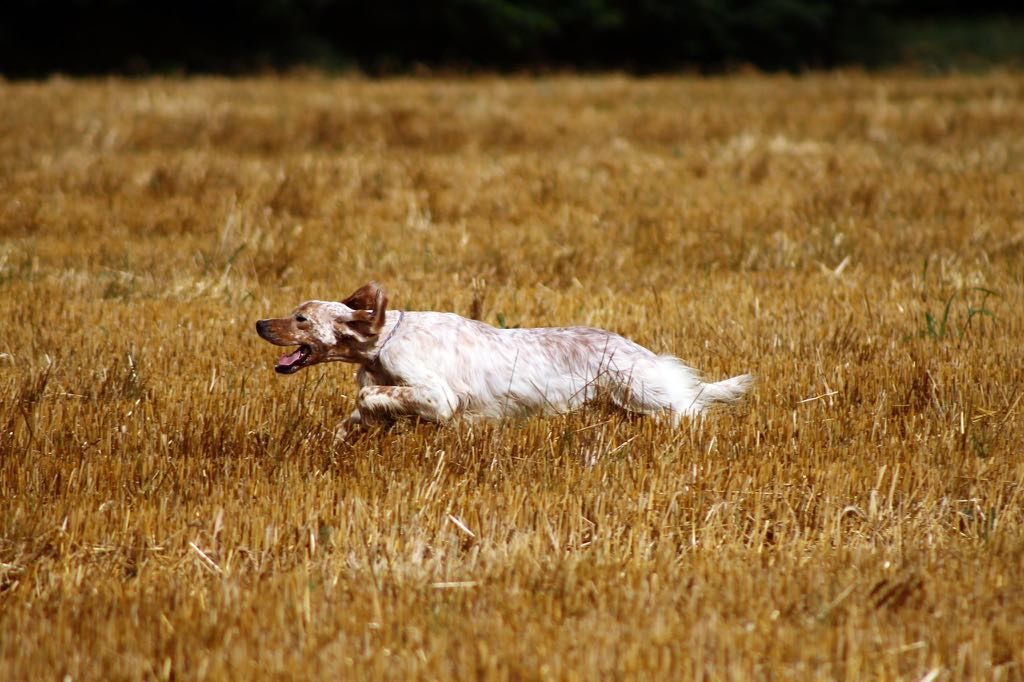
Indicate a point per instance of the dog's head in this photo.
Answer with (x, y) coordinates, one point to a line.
(327, 331)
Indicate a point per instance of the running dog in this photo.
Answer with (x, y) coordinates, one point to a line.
(439, 366)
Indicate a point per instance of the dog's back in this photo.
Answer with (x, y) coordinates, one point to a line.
(497, 372)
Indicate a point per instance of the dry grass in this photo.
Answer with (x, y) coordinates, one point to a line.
(170, 508)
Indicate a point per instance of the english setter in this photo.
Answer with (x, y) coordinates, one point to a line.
(440, 365)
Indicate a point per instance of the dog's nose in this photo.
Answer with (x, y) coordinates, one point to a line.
(261, 327)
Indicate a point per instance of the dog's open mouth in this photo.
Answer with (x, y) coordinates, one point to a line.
(292, 362)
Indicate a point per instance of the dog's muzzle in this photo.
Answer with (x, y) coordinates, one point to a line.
(286, 364)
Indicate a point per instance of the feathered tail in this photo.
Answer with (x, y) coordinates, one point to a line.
(687, 395)
(728, 390)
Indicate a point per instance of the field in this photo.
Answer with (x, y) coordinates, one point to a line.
(171, 508)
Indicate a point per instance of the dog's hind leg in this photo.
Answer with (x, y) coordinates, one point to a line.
(658, 385)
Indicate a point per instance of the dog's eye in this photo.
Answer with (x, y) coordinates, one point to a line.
(300, 318)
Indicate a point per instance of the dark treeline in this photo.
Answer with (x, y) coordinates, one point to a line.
(39, 37)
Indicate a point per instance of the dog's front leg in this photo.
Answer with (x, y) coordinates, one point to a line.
(428, 403)
(355, 421)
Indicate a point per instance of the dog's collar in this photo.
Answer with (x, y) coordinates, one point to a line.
(401, 316)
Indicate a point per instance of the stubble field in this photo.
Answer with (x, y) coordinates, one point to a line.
(171, 508)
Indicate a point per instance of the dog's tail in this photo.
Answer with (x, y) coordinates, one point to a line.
(665, 384)
(690, 396)
(729, 390)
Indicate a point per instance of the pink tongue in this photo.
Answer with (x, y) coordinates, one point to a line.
(289, 360)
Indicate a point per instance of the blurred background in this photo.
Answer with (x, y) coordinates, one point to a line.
(135, 37)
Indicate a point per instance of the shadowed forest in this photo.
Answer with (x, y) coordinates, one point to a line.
(136, 37)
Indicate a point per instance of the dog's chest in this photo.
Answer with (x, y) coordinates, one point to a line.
(376, 375)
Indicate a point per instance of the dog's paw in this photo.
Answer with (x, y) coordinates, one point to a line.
(342, 433)
(349, 428)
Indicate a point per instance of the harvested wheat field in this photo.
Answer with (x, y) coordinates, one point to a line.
(172, 508)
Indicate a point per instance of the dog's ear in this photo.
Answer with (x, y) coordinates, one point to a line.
(370, 306)
(365, 297)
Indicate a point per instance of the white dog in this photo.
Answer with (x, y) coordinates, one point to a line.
(440, 365)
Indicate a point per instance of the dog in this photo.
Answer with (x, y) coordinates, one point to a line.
(439, 366)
